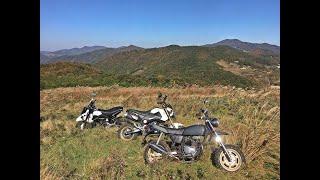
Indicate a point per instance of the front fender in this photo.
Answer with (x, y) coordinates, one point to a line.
(222, 133)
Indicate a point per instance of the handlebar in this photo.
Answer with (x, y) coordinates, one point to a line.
(161, 98)
(92, 102)
(203, 114)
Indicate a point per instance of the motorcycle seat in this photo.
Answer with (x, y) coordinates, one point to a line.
(141, 114)
(175, 131)
(193, 130)
(112, 111)
(168, 130)
(145, 115)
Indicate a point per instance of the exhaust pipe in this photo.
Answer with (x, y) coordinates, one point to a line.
(161, 150)
(157, 148)
(133, 132)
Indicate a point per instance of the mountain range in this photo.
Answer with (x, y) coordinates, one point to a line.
(164, 66)
(85, 54)
(96, 53)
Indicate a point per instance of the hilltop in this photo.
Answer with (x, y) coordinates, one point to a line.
(264, 48)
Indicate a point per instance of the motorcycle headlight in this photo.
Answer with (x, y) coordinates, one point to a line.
(214, 122)
(218, 139)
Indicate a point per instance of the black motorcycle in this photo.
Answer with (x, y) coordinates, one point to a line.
(91, 116)
(136, 121)
(186, 144)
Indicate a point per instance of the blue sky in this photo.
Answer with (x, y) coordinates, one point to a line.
(156, 23)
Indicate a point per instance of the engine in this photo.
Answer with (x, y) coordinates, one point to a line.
(191, 148)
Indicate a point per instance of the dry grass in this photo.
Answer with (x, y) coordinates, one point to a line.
(46, 174)
(111, 167)
(252, 117)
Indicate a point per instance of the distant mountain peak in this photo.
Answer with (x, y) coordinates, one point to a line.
(173, 45)
(230, 40)
(130, 46)
(246, 46)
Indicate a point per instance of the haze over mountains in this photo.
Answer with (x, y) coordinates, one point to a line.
(96, 53)
(73, 51)
(85, 54)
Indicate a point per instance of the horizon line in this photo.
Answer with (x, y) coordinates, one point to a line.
(157, 46)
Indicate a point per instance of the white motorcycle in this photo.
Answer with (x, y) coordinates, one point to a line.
(91, 116)
(137, 121)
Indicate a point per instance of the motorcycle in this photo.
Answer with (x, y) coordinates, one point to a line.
(91, 116)
(186, 144)
(137, 121)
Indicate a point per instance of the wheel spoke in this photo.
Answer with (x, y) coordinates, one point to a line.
(234, 164)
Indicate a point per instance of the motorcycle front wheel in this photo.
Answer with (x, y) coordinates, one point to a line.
(124, 131)
(221, 161)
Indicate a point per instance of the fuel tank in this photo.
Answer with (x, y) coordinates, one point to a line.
(194, 130)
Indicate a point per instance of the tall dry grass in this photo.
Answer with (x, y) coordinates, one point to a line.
(252, 117)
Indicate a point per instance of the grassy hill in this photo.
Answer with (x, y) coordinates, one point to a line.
(252, 118)
(168, 66)
(64, 74)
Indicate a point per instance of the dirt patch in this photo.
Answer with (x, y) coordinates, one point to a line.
(138, 72)
(231, 67)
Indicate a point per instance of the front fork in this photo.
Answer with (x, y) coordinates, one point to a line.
(159, 138)
(219, 141)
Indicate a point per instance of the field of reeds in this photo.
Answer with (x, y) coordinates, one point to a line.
(251, 116)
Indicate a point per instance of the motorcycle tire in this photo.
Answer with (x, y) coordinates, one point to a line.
(219, 159)
(123, 129)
